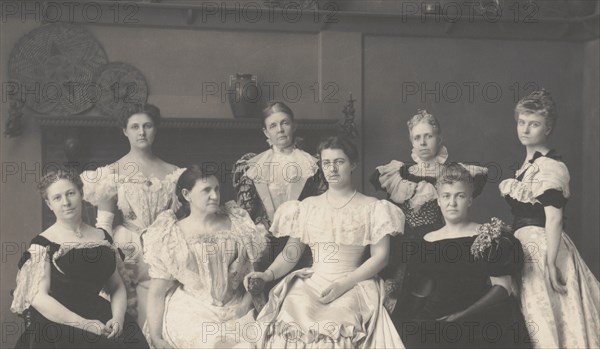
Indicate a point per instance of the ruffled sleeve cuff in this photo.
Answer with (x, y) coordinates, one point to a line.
(386, 219)
(99, 185)
(516, 190)
(392, 182)
(159, 244)
(29, 277)
(288, 221)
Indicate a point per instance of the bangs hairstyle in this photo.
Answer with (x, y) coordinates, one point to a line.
(276, 107)
(454, 173)
(423, 116)
(54, 176)
(539, 103)
(187, 180)
(342, 143)
(129, 110)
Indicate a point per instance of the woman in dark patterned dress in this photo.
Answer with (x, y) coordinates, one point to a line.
(62, 275)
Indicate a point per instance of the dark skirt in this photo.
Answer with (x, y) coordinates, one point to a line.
(43, 333)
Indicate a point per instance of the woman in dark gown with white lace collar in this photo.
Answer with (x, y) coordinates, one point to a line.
(62, 274)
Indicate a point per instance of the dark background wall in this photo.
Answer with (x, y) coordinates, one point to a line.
(176, 62)
(479, 127)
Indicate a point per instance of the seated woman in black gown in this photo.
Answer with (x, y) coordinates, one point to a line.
(63, 273)
(468, 298)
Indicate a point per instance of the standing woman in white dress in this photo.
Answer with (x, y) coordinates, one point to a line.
(560, 297)
(139, 186)
(338, 301)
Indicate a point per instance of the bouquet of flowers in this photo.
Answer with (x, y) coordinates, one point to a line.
(496, 246)
(488, 236)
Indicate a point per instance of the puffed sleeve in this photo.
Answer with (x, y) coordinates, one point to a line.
(505, 257)
(254, 236)
(160, 245)
(31, 273)
(499, 252)
(388, 178)
(288, 221)
(385, 219)
(99, 185)
(550, 182)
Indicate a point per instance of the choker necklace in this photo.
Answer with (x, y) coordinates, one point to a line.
(344, 205)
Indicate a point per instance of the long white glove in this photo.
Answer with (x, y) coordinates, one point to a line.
(104, 220)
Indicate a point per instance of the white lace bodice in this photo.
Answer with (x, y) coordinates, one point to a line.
(358, 226)
(208, 265)
(139, 198)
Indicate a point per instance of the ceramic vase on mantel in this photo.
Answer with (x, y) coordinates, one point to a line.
(244, 95)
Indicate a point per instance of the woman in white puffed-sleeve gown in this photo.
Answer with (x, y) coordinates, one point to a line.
(139, 186)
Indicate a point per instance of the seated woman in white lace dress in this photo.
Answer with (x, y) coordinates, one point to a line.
(139, 186)
(197, 264)
(338, 302)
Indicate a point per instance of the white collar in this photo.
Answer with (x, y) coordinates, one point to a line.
(440, 158)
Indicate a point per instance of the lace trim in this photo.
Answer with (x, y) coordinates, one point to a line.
(161, 240)
(141, 201)
(358, 226)
(257, 166)
(517, 190)
(66, 247)
(440, 158)
(542, 175)
(29, 278)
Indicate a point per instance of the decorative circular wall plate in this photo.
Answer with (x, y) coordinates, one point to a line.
(120, 84)
(54, 66)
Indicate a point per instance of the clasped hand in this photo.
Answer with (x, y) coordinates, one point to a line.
(112, 329)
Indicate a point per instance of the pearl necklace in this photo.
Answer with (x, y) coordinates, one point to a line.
(344, 205)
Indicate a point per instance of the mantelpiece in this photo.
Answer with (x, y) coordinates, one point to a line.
(193, 123)
(515, 22)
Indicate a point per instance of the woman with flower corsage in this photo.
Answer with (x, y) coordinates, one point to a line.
(62, 274)
(282, 173)
(468, 298)
(411, 187)
(198, 260)
(559, 294)
(338, 301)
(139, 186)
